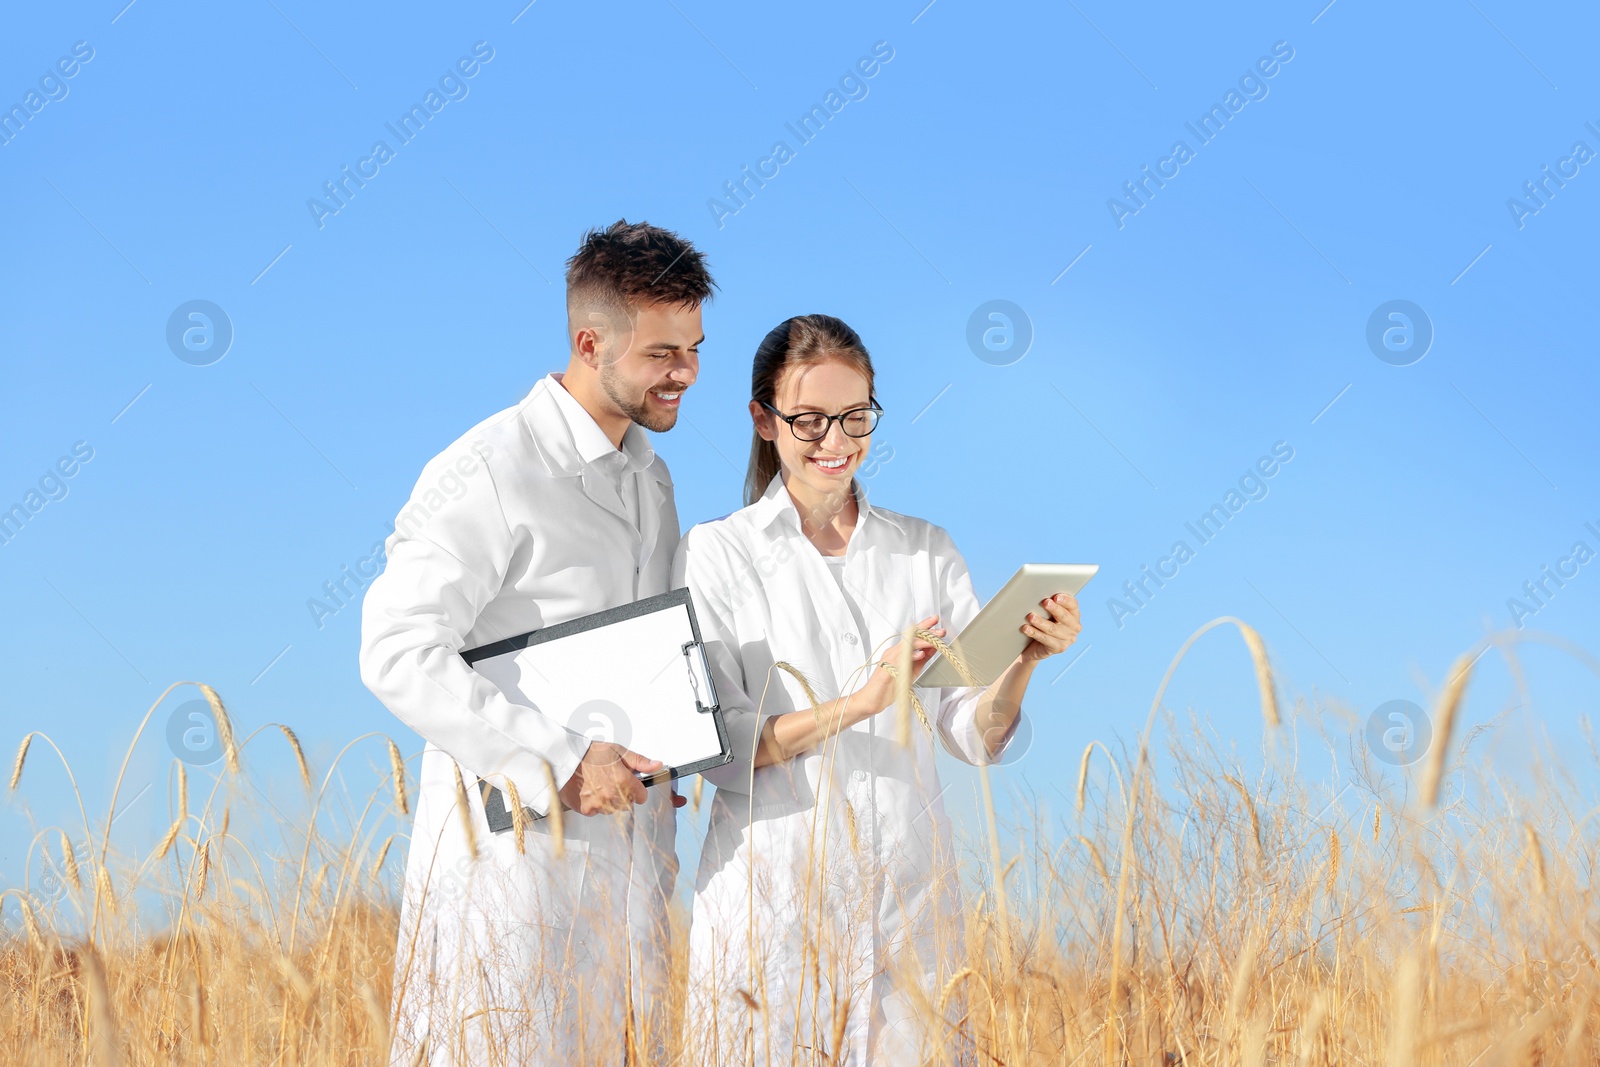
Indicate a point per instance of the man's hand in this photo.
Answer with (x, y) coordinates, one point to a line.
(605, 781)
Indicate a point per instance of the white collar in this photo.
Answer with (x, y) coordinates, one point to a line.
(776, 503)
(591, 442)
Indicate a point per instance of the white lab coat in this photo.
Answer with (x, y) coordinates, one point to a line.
(843, 850)
(516, 526)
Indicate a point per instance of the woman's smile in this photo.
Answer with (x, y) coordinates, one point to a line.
(833, 466)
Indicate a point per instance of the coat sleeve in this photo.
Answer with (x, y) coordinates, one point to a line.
(442, 570)
(704, 566)
(958, 707)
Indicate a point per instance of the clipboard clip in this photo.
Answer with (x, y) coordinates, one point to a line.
(495, 812)
(700, 681)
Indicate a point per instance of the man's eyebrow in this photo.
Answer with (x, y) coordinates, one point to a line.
(673, 345)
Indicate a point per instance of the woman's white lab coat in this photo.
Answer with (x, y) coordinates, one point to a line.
(515, 527)
(825, 882)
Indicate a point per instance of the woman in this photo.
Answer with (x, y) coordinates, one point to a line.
(825, 908)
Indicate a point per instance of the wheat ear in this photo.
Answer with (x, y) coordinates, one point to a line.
(176, 828)
(1083, 774)
(519, 817)
(383, 853)
(558, 828)
(466, 812)
(1444, 724)
(69, 861)
(230, 749)
(299, 754)
(1269, 691)
(397, 767)
(16, 764)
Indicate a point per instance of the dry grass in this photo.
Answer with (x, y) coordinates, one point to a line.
(1223, 915)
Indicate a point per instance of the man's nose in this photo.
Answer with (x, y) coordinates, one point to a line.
(687, 370)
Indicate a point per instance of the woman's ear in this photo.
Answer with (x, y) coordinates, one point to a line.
(763, 421)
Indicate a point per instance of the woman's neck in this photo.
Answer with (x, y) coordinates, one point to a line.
(827, 519)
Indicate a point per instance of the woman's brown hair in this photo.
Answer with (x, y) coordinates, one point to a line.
(802, 341)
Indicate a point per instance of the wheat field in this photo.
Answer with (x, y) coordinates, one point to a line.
(1202, 915)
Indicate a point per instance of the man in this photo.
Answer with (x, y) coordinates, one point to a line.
(553, 509)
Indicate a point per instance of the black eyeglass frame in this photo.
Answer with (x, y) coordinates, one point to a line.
(872, 405)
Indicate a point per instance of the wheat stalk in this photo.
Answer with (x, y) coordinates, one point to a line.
(168, 839)
(1311, 1028)
(1444, 724)
(1113, 1023)
(1536, 858)
(841, 1016)
(941, 646)
(954, 983)
(902, 680)
(1255, 818)
(377, 1015)
(902, 689)
(850, 827)
(295, 980)
(805, 685)
(197, 1004)
(465, 810)
(1099, 864)
(101, 1039)
(1083, 774)
(1243, 972)
(29, 919)
(1404, 1013)
(171, 835)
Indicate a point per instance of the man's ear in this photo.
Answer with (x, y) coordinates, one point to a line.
(600, 334)
(587, 344)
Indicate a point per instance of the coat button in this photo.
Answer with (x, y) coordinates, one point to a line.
(858, 776)
(850, 639)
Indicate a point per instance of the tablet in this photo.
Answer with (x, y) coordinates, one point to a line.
(994, 637)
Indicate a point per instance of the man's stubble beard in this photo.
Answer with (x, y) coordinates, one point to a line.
(638, 410)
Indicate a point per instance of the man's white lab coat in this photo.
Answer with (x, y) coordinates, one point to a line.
(837, 859)
(516, 526)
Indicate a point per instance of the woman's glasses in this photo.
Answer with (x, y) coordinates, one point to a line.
(814, 425)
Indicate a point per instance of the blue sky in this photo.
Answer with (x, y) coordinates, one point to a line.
(1176, 338)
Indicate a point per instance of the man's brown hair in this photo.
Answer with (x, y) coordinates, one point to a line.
(632, 264)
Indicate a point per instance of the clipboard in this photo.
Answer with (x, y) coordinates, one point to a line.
(635, 674)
